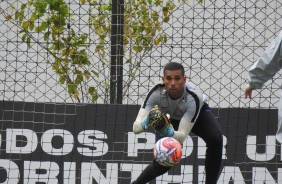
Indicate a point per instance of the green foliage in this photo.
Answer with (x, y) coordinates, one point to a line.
(143, 21)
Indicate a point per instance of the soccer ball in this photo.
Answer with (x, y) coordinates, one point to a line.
(168, 151)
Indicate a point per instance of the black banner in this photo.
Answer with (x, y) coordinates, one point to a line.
(90, 143)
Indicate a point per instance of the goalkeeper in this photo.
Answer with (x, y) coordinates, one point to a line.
(188, 110)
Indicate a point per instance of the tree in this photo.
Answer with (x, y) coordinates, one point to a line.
(69, 46)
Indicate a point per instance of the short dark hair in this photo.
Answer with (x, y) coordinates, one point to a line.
(174, 66)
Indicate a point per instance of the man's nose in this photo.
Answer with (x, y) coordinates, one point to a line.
(173, 82)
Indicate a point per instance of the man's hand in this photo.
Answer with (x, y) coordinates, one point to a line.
(154, 114)
(248, 91)
(159, 121)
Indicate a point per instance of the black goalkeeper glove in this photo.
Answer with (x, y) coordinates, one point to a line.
(159, 121)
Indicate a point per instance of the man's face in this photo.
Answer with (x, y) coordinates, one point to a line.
(174, 81)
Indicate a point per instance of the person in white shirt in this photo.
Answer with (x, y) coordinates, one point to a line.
(264, 69)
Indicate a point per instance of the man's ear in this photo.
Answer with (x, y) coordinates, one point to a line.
(163, 77)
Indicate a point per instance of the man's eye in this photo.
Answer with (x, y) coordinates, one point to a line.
(168, 78)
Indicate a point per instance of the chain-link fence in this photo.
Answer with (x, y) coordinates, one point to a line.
(63, 61)
(217, 41)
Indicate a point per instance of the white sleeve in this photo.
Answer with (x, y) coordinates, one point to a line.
(185, 126)
(267, 65)
(137, 128)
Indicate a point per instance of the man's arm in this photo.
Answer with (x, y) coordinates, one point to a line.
(185, 127)
(140, 123)
(188, 120)
(137, 125)
(267, 65)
